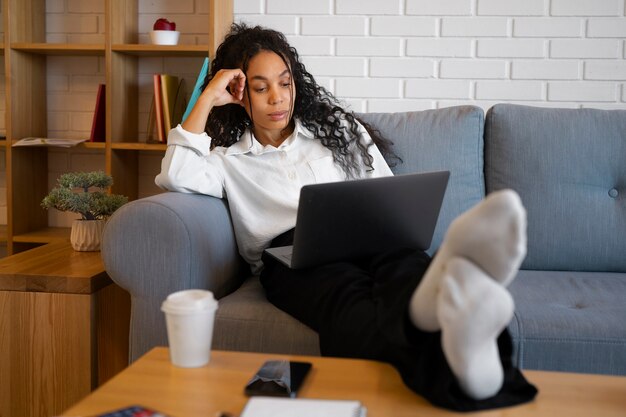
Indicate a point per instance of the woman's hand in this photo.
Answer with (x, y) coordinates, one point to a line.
(226, 87)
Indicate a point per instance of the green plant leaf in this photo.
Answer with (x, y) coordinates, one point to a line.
(75, 194)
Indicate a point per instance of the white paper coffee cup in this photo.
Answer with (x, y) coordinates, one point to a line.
(189, 317)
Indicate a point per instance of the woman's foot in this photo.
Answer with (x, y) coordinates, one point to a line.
(492, 235)
(473, 310)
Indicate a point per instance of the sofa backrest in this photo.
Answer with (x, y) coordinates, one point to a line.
(569, 167)
(443, 139)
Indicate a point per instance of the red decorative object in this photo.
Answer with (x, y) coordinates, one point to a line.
(164, 24)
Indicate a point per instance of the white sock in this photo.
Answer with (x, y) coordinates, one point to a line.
(473, 310)
(491, 234)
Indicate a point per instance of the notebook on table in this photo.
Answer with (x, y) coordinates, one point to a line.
(360, 218)
(296, 407)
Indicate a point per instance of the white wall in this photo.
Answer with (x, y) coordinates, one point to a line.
(396, 55)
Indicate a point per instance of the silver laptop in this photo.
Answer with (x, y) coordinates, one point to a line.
(353, 219)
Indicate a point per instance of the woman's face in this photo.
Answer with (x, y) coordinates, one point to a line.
(269, 98)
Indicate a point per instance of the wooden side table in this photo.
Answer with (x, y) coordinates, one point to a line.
(63, 329)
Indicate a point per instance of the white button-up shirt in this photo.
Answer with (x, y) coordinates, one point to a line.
(262, 183)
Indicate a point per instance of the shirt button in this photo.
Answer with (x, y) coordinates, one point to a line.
(613, 193)
(292, 175)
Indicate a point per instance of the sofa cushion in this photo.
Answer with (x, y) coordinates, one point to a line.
(246, 321)
(570, 321)
(443, 139)
(568, 165)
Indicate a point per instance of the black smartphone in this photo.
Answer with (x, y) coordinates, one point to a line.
(278, 379)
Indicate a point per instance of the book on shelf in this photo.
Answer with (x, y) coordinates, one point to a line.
(98, 131)
(197, 88)
(167, 106)
(151, 130)
(158, 107)
(302, 407)
(180, 102)
(169, 85)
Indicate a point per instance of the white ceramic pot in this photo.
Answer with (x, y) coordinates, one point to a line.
(164, 37)
(86, 235)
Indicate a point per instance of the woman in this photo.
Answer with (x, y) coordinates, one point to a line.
(261, 129)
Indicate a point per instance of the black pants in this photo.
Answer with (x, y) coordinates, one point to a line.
(360, 310)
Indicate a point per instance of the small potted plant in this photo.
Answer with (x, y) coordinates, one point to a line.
(85, 193)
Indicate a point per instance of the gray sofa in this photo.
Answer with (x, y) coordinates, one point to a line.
(569, 167)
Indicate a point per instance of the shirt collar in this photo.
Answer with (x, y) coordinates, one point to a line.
(248, 144)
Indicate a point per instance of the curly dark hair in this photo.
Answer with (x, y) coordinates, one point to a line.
(316, 108)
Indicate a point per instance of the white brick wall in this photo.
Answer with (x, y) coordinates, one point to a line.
(548, 27)
(442, 7)
(376, 7)
(75, 21)
(606, 28)
(511, 7)
(416, 54)
(586, 7)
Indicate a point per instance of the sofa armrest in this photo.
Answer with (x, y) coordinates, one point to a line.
(169, 242)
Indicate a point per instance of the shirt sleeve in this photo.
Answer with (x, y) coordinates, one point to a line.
(189, 166)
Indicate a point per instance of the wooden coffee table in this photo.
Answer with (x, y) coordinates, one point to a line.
(153, 382)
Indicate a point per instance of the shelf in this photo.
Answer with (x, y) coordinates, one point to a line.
(60, 48)
(139, 146)
(162, 50)
(46, 235)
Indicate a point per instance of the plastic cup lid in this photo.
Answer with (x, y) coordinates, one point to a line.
(189, 301)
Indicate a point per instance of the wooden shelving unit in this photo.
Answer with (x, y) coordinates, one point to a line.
(25, 51)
